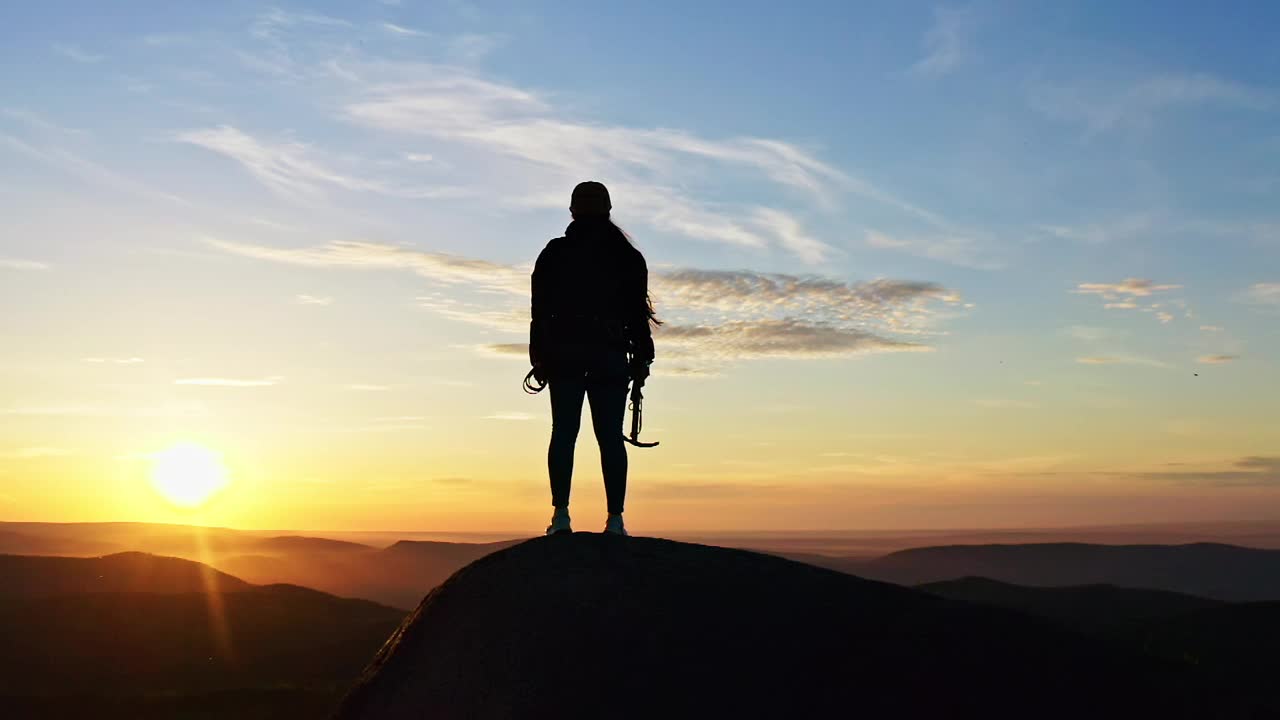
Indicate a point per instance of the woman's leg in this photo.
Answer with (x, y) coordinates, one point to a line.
(608, 398)
(566, 418)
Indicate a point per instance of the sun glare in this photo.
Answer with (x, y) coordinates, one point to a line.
(187, 475)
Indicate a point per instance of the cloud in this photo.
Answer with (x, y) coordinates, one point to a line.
(713, 315)
(1127, 294)
(86, 170)
(33, 453)
(1249, 471)
(78, 54)
(177, 410)
(440, 267)
(517, 416)
(470, 47)
(1216, 359)
(891, 301)
(269, 25)
(367, 387)
(228, 382)
(1211, 328)
(1005, 404)
(312, 300)
(513, 143)
(791, 235)
(1263, 294)
(1135, 106)
(401, 30)
(1122, 228)
(114, 360)
(948, 43)
(1121, 359)
(294, 169)
(1132, 287)
(663, 173)
(747, 339)
(954, 249)
(16, 264)
(516, 349)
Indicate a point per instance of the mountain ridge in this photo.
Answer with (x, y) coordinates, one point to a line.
(565, 626)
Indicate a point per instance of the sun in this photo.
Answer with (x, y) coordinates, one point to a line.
(187, 475)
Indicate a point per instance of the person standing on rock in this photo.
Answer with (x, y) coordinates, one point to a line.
(590, 334)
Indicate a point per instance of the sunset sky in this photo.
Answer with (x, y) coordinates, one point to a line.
(922, 266)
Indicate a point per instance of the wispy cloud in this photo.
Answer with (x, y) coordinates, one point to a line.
(1247, 471)
(958, 250)
(748, 339)
(714, 315)
(1121, 228)
(114, 360)
(293, 168)
(313, 300)
(471, 47)
(948, 43)
(1132, 293)
(368, 387)
(33, 453)
(177, 410)
(792, 236)
(1005, 404)
(1131, 287)
(16, 264)
(229, 382)
(77, 53)
(1136, 105)
(1121, 359)
(1263, 294)
(269, 24)
(517, 416)
(660, 171)
(1216, 359)
(441, 267)
(86, 170)
(401, 30)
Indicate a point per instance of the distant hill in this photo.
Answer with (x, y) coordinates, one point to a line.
(106, 637)
(599, 626)
(1222, 572)
(400, 575)
(1092, 608)
(1233, 645)
(31, 576)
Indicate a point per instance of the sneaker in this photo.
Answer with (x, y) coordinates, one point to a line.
(559, 522)
(614, 526)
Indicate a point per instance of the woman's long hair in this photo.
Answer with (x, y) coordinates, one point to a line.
(623, 240)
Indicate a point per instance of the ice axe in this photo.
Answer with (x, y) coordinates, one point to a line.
(637, 410)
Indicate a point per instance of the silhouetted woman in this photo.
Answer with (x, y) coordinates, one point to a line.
(590, 333)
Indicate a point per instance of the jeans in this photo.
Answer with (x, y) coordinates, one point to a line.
(601, 376)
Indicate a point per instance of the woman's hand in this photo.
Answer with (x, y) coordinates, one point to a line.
(639, 371)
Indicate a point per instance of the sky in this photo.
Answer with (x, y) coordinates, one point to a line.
(921, 265)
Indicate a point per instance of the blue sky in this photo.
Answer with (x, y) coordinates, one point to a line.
(1034, 222)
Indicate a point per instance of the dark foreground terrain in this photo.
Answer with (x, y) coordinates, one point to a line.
(140, 636)
(636, 627)
(599, 626)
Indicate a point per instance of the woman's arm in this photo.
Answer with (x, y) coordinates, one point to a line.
(539, 309)
(640, 333)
